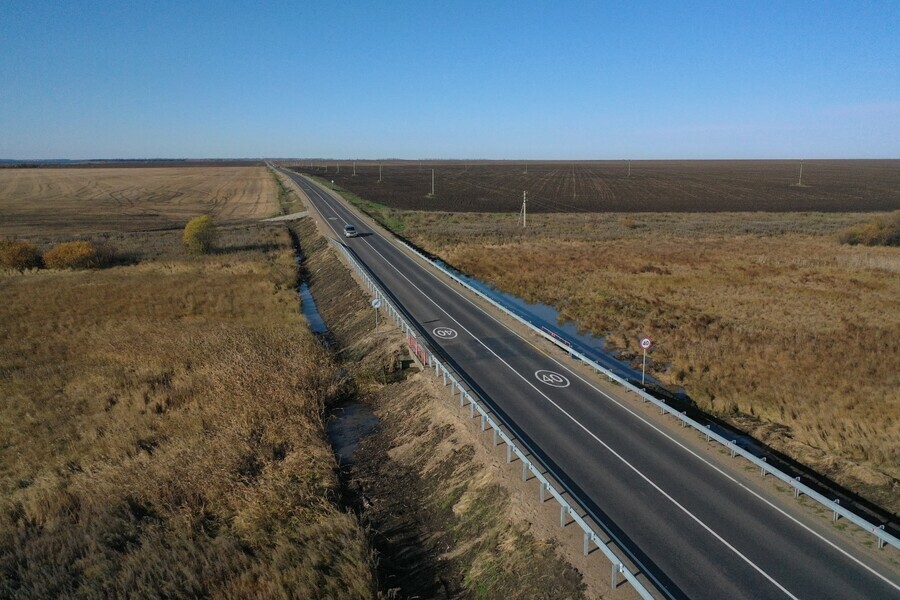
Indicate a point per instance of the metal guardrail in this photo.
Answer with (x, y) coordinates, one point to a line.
(430, 361)
(799, 488)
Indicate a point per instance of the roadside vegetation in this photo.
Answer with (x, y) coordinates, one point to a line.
(881, 231)
(162, 424)
(765, 319)
(443, 524)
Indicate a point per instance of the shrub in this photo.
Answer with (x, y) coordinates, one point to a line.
(200, 235)
(883, 231)
(73, 255)
(19, 255)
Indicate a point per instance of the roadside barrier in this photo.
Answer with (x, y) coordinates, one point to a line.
(478, 406)
(837, 511)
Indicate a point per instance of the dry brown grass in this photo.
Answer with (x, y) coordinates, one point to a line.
(162, 434)
(764, 319)
(78, 201)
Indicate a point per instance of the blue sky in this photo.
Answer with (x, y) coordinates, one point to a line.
(536, 80)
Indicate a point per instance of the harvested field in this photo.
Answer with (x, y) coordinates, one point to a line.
(605, 186)
(85, 200)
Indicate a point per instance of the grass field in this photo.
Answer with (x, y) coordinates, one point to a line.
(76, 201)
(765, 318)
(162, 422)
(606, 186)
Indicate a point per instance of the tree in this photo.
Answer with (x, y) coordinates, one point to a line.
(200, 235)
(19, 255)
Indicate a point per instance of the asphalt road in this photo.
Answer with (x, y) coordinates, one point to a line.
(694, 530)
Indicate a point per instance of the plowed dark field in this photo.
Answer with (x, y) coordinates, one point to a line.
(605, 186)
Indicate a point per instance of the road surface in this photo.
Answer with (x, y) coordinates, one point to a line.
(692, 528)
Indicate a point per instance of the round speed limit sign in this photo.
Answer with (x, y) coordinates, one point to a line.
(646, 343)
(376, 303)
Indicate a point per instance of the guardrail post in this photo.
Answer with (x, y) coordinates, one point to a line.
(797, 487)
(615, 575)
(707, 433)
(562, 515)
(495, 438)
(835, 516)
(483, 423)
(587, 544)
(684, 420)
(471, 409)
(733, 448)
(661, 411)
(542, 491)
(444, 375)
(524, 471)
(880, 541)
(508, 454)
(762, 470)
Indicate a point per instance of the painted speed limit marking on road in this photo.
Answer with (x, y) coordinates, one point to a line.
(552, 379)
(445, 333)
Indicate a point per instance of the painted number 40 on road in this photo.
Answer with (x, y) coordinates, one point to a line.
(552, 378)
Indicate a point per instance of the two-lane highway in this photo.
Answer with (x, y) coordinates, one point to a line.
(693, 529)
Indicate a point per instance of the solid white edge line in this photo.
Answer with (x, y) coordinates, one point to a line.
(563, 411)
(673, 440)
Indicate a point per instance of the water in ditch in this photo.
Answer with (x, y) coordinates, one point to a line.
(311, 311)
(547, 318)
(351, 421)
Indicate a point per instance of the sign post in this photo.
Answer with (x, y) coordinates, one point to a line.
(376, 302)
(646, 344)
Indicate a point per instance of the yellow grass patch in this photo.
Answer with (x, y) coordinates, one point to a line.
(765, 319)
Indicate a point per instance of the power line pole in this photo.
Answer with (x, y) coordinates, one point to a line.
(432, 182)
(629, 167)
(800, 179)
(354, 168)
(524, 208)
(526, 167)
(379, 173)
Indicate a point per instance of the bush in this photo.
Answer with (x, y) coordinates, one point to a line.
(200, 235)
(19, 255)
(74, 255)
(883, 231)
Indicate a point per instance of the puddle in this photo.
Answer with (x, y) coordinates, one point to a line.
(346, 427)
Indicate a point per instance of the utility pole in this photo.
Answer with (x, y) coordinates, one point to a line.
(379, 173)
(629, 167)
(432, 182)
(800, 179)
(526, 167)
(574, 189)
(524, 208)
(339, 167)
(354, 168)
